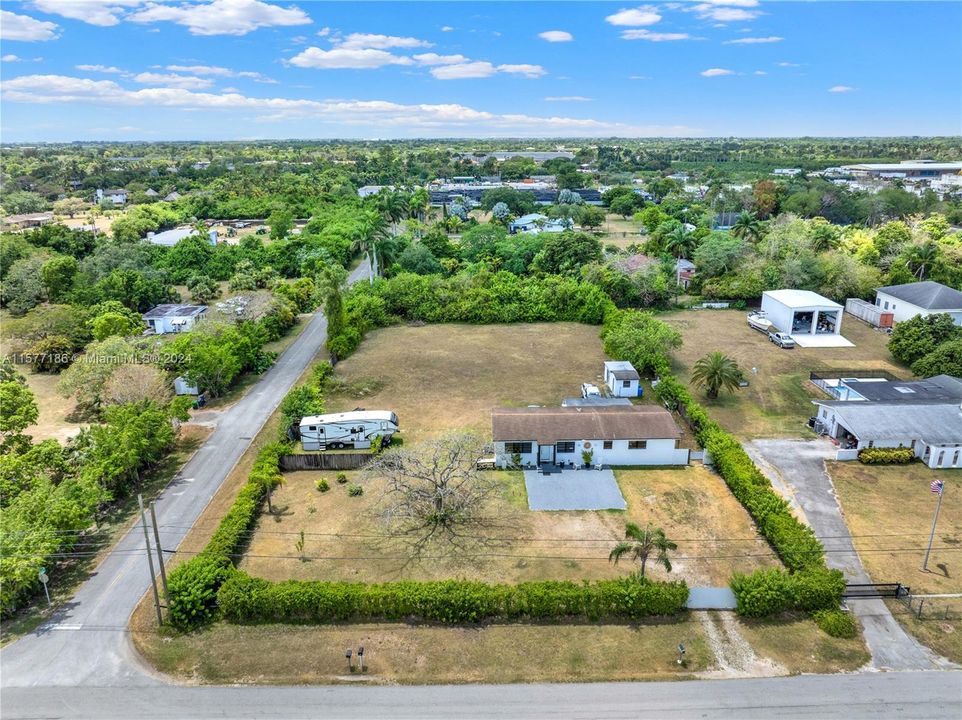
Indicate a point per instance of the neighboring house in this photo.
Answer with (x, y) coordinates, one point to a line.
(169, 238)
(170, 197)
(790, 172)
(165, 319)
(920, 298)
(150, 192)
(613, 434)
(802, 312)
(537, 223)
(368, 190)
(684, 273)
(27, 221)
(936, 389)
(933, 428)
(904, 169)
(622, 378)
(635, 263)
(117, 196)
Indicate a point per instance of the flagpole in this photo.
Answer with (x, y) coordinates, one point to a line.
(935, 520)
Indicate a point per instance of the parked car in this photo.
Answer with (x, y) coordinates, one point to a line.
(783, 340)
(590, 390)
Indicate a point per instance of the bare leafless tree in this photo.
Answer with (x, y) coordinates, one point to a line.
(436, 493)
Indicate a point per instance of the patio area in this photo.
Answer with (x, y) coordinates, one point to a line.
(821, 341)
(569, 489)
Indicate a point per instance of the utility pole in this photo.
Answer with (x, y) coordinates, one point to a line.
(160, 552)
(935, 519)
(150, 560)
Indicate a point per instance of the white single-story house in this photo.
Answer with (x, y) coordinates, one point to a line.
(613, 435)
(622, 378)
(932, 430)
(538, 223)
(920, 298)
(804, 315)
(169, 238)
(27, 221)
(165, 319)
(117, 196)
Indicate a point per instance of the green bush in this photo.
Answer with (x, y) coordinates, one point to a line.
(772, 591)
(355, 490)
(341, 478)
(836, 623)
(886, 456)
(246, 599)
(322, 485)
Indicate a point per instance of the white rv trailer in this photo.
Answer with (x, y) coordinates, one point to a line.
(355, 429)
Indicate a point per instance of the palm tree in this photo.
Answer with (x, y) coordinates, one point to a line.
(714, 372)
(393, 206)
(747, 227)
(679, 242)
(640, 544)
(921, 257)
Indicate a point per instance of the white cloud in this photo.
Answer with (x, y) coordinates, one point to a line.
(755, 40)
(435, 59)
(26, 28)
(218, 71)
(104, 13)
(447, 28)
(380, 114)
(531, 71)
(716, 72)
(380, 42)
(722, 14)
(759, 72)
(223, 17)
(483, 69)
(650, 36)
(567, 98)
(639, 77)
(642, 15)
(100, 68)
(555, 36)
(11, 58)
(171, 80)
(324, 32)
(840, 89)
(341, 58)
(733, 3)
(788, 64)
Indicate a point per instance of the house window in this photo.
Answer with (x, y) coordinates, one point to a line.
(637, 444)
(955, 458)
(607, 445)
(313, 427)
(517, 448)
(626, 383)
(886, 304)
(871, 443)
(941, 458)
(566, 446)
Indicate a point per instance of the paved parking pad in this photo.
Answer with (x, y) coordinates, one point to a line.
(574, 490)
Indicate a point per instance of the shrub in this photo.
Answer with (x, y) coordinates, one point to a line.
(836, 623)
(341, 478)
(322, 485)
(772, 591)
(355, 490)
(886, 456)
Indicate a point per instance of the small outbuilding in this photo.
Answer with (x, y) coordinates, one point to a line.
(172, 318)
(920, 298)
(622, 378)
(811, 320)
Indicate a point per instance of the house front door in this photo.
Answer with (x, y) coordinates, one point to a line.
(546, 453)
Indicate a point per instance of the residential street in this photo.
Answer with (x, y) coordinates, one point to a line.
(907, 696)
(798, 466)
(86, 643)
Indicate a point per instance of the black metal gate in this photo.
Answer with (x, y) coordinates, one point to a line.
(875, 590)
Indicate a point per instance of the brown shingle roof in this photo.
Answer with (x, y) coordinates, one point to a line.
(613, 422)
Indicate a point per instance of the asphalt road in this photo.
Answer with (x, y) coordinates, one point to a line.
(800, 468)
(907, 696)
(86, 642)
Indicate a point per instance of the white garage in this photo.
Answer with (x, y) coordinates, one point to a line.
(811, 320)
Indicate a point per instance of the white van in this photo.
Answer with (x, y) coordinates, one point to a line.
(355, 429)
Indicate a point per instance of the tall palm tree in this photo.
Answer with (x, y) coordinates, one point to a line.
(393, 206)
(640, 544)
(679, 242)
(714, 372)
(921, 257)
(747, 227)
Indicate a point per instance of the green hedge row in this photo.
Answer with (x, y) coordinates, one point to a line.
(886, 456)
(773, 591)
(246, 599)
(192, 586)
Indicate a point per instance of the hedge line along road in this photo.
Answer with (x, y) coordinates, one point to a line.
(86, 641)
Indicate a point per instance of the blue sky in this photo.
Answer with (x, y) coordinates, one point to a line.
(243, 69)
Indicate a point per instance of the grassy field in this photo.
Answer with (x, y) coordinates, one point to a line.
(54, 408)
(777, 402)
(795, 643)
(620, 232)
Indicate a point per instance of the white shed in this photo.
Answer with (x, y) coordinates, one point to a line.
(622, 378)
(805, 315)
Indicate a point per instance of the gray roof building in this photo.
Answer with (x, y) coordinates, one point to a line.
(612, 422)
(174, 311)
(927, 294)
(935, 424)
(937, 389)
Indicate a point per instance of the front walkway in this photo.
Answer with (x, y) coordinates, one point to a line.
(573, 490)
(798, 468)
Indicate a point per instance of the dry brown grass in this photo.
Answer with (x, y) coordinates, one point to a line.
(54, 408)
(889, 509)
(620, 232)
(796, 643)
(777, 403)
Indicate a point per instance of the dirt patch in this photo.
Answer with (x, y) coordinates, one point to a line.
(54, 409)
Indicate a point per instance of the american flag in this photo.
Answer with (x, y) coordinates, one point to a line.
(936, 487)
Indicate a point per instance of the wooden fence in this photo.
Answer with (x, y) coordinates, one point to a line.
(325, 461)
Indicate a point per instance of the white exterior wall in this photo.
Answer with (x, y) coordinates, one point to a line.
(950, 455)
(658, 452)
(902, 310)
(163, 325)
(783, 316)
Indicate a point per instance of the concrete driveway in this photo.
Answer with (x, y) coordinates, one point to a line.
(797, 470)
(574, 490)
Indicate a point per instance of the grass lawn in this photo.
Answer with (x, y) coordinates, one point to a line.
(620, 232)
(54, 408)
(796, 643)
(777, 401)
